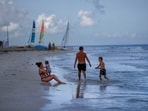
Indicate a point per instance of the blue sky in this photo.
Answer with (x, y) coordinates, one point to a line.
(92, 22)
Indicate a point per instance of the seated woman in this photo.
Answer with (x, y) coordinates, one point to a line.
(46, 77)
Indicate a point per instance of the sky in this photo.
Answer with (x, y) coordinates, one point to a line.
(91, 22)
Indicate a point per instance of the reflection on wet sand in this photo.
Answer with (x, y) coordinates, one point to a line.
(46, 83)
(81, 86)
(103, 87)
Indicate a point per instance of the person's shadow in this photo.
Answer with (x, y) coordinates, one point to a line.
(81, 86)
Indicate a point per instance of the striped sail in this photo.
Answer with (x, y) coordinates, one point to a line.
(33, 33)
(41, 33)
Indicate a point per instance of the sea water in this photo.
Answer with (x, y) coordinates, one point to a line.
(127, 90)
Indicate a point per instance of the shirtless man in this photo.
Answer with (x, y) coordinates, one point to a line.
(81, 57)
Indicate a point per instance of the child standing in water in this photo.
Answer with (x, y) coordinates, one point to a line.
(101, 66)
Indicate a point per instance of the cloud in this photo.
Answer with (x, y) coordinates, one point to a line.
(134, 35)
(117, 35)
(85, 18)
(52, 23)
(97, 5)
(12, 27)
(12, 17)
(9, 13)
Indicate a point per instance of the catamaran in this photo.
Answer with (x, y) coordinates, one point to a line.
(41, 47)
(66, 36)
(32, 36)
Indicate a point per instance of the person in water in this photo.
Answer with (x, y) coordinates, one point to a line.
(81, 58)
(101, 66)
(45, 77)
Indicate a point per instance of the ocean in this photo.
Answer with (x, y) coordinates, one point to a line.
(127, 90)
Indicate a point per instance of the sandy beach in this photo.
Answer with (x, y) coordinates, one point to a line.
(22, 90)
(20, 86)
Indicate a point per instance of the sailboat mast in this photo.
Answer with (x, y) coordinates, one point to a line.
(7, 37)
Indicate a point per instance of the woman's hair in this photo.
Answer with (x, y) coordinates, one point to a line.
(38, 64)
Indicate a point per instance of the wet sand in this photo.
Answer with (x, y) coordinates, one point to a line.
(20, 86)
(22, 90)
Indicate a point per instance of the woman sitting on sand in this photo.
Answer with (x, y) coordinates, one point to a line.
(46, 77)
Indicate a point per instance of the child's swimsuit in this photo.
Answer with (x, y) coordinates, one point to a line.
(103, 71)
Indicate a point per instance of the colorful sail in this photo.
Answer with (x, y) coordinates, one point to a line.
(66, 35)
(33, 33)
(42, 33)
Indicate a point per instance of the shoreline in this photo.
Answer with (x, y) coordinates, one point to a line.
(16, 49)
(22, 89)
(20, 84)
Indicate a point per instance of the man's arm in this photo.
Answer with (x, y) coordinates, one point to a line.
(88, 61)
(75, 62)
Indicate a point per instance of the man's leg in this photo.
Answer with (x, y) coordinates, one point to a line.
(84, 74)
(100, 77)
(79, 75)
